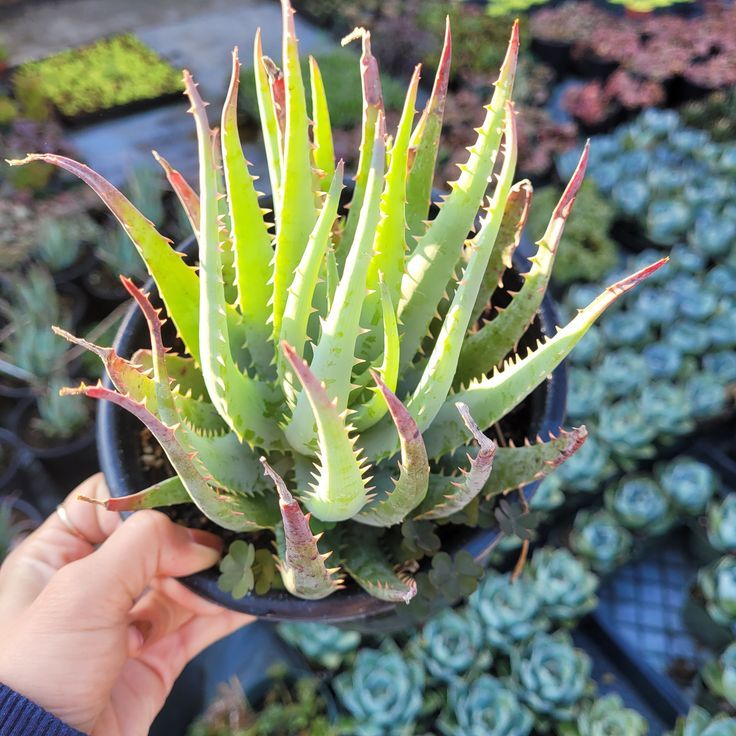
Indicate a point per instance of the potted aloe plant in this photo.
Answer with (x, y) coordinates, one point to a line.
(328, 381)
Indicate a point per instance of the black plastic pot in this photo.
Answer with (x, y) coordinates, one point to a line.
(117, 443)
(11, 459)
(77, 270)
(556, 54)
(68, 462)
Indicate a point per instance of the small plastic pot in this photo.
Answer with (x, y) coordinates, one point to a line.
(117, 442)
(10, 461)
(77, 270)
(68, 461)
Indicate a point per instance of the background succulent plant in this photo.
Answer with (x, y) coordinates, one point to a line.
(318, 398)
(484, 707)
(688, 483)
(719, 675)
(510, 611)
(722, 523)
(565, 587)
(452, 646)
(598, 538)
(640, 504)
(718, 585)
(382, 691)
(551, 676)
(322, 643)
(607, 715)
(699, 722)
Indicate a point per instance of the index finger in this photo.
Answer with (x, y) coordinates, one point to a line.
(30, 566)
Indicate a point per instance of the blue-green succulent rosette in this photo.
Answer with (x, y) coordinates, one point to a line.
(722, 524)
(551, 676)
(701, 723)
(719, 676)
(606, 716)
(484, 707)
(587, 469)
(564, 585)
(717, 583)
(452, 645)
(640, 505)
(383, 691)
(550, 494)
(688, 483)
(509, 611)
(324, 644)
(600, 539)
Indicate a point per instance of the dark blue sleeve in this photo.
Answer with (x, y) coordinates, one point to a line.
(22, 717)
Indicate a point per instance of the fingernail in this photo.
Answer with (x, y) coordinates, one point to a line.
(206, 539)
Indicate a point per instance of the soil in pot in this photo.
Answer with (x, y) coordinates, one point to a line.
(131, 464)
(68, 460)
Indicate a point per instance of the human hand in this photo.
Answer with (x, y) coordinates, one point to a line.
(97, 635)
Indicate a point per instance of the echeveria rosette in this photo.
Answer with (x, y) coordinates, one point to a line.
(719, 675)
(551, 676)
(717, 583)
(324, 644)
(625, 433)
(510, 612)
(549, 494)
(722, 523)
(451, 645)
(689, 484)
(484, 707)
(606, 716)
(623, 371)
(600, 539)
(640, 505)
(564, 585)
(587, 469)
(665, 407)
(701, 723)
(586, 392)
(280, 447)
(383, 691)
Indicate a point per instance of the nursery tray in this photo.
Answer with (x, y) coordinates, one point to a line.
(639, 621)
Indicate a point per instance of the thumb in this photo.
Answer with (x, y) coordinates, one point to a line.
(147, 545)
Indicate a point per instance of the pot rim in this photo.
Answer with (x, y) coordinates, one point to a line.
(351, 603)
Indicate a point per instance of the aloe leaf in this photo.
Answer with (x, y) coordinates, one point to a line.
(372, 411)
(249, 235)
(389, 245)
(187, 196)
(447, 496)
(177, 283)
(436, 380)
(240, 399)
(516, 467)
(301, 564)
(324, 150)
(228, 510)
(425, 142)
(332, 278)
(334, 354)
(507, 241)
(368, 565)
(372, 108)
(491, 398)
(183, 371)
(411, 487)
(301, 292)
(269, 123)
(340, 488)
(497, 338)
(168, 492)
(438, 249)
(298, 213)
